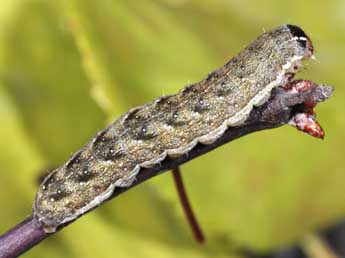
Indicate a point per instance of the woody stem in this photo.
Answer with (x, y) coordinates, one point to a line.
(186, 206)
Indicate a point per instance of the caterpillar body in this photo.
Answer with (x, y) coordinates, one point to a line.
(170, 126)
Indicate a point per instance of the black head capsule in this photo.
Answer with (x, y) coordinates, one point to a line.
(301, 37)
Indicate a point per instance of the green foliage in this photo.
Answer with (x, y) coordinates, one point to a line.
(68, 68)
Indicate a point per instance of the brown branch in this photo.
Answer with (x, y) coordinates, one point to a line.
(276, 112)
(187, 208)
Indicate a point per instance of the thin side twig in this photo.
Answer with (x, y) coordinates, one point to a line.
(277, 111)
(187, 208)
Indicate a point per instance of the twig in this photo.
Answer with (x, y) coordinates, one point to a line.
(21, 238)
(187, 208)
(277, 111)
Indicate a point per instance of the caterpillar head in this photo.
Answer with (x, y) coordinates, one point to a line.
(299, 36)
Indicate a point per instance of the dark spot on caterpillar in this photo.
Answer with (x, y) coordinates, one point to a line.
(133, 119)
(166, 104)
(256, 53)
(138, 127)
(232, 62)
(143, 132)
(162, 100)
(255, 48)
(262, 58)
(112, 153)
(241, 71)
(199, 104)
(100, 137)
(189, 89)
(83, 175)
(58, 194)
(51, 178)
(134, 114)
(211, 76)
(224, 89)
(175, 119)
(106, 147)
(74, 160)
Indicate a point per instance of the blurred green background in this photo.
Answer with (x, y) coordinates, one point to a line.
(70, 67)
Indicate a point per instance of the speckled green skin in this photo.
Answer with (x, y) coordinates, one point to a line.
(170, 125)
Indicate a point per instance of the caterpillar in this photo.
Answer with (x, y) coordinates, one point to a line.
(170, 126)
